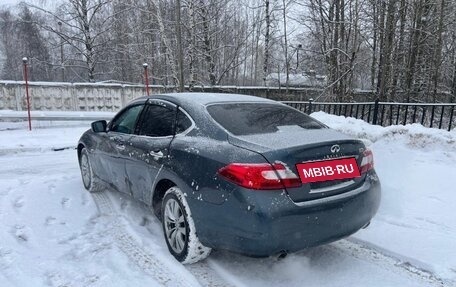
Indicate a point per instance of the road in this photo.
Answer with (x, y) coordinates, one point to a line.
(54, 233)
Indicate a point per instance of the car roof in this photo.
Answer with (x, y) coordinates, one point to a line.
(192, 99)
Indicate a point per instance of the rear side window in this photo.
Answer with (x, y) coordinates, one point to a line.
(158, 121)
(260, 118)
(183, 122)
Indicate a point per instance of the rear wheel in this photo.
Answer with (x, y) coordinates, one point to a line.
(89, 179)
(179, 229)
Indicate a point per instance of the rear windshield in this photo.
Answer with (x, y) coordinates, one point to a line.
(260, 118)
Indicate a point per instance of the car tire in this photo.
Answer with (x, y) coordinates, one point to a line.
(90, 180)
(179, 229)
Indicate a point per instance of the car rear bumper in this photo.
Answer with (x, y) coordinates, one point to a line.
(263, 223)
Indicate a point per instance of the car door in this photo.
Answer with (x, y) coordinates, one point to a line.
(115, 148)
(150, 147)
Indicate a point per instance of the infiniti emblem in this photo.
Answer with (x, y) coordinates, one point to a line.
(335, 148)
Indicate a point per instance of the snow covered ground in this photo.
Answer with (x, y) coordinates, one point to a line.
(54, 233)
(416, 165)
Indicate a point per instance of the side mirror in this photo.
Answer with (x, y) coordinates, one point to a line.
(99, 126)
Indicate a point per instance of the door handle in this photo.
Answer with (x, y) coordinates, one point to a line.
(156, 154)
(120, 146)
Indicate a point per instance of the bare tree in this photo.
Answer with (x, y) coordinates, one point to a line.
(285, 37)
(84, 22)
(192, 44)
(180, 56)
(21, 37)
(266, 39)
(384, 70)
(403, 50)
(438, 50)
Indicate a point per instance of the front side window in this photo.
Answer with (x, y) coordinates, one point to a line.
(125, 123)
(158, 121)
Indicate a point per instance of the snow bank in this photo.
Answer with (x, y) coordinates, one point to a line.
(84, 116)
(412, 135)
(416, 220)
(39, 139)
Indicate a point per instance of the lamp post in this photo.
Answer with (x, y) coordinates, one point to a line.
(298, 47)
(61, 52)
(146, 78)
(24, 61)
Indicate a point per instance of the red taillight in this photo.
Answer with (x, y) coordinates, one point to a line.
(260, 175)
(367, 163)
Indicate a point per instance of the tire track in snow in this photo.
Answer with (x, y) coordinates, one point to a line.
(103, 203)
(205, 275)
(145, 261)
(364, 251)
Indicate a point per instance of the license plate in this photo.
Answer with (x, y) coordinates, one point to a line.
(324, 170)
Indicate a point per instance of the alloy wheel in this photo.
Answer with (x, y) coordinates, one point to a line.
(175, 225)
(85, 170)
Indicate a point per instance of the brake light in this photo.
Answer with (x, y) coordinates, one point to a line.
(367, 163)
(260, 175)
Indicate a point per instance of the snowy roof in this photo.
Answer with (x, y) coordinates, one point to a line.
(296, 80)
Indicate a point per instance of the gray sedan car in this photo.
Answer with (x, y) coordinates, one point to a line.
(233, 172)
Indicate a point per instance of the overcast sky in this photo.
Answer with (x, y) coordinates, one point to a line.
(41, 3)
(9, 2)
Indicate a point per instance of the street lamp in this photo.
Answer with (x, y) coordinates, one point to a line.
(146, 77)
(61, 51)
(298, 47)
(24, 61)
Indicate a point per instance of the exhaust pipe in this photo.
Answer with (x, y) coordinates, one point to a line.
(281, 255)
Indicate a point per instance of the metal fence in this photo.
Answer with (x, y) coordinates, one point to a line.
(439, 115)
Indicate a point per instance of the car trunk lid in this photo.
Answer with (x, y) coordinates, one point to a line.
(292, 149)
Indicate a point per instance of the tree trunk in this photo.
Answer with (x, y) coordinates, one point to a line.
(453, 87)
(207, 45)
(287, 62)
(335, 52)
(342, 64)
(88, 43)
(266, 42)
(381, 62)
(385, 52)
(180, 56)
(374, 44)
(414, 49)
(438, 52)
(192, 44)
(399, 54)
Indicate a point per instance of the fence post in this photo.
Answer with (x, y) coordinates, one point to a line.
(310, 106)
(374, 118)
